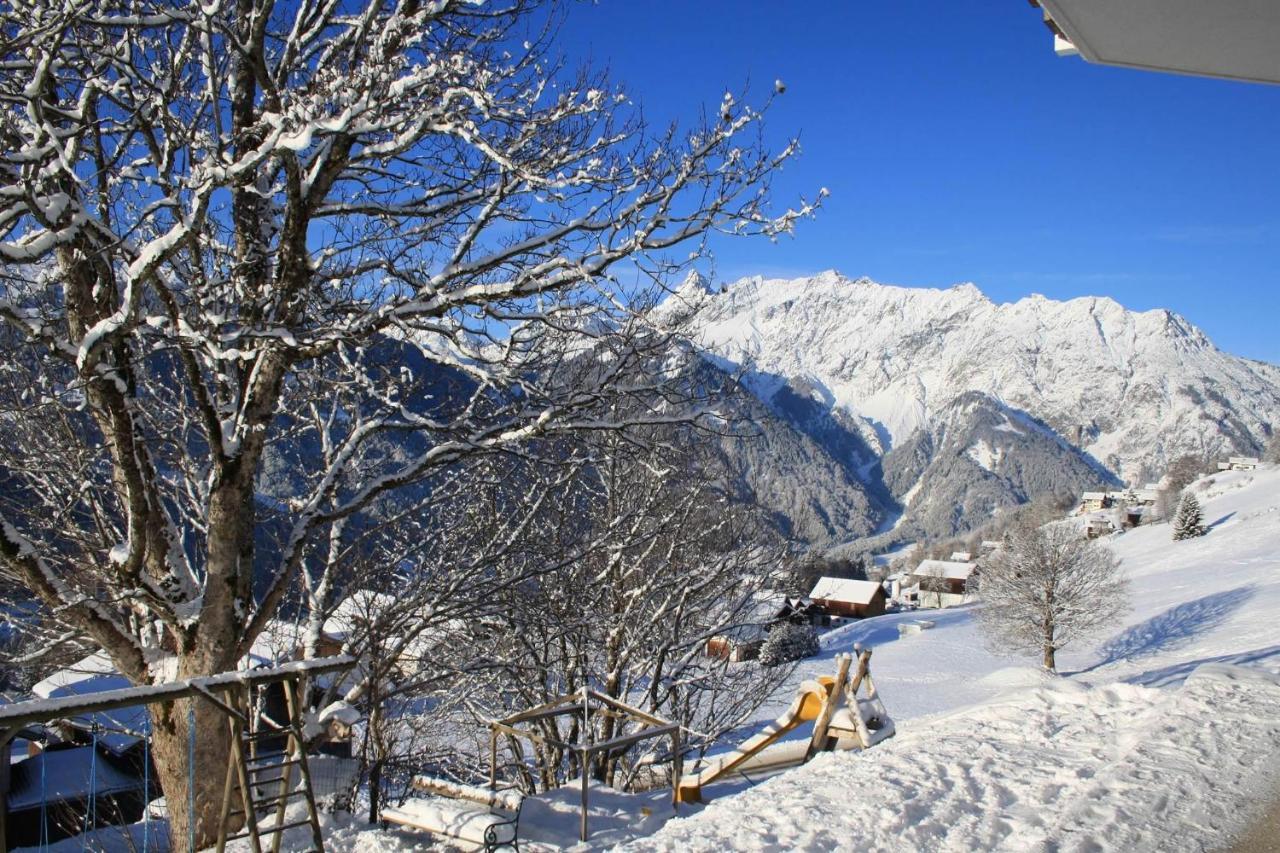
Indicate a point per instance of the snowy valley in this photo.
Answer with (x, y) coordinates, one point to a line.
(942, 407)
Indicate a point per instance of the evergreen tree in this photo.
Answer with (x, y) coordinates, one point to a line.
(788, 642)
(1189, 521)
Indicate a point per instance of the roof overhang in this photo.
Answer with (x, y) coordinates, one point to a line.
(1233, 39)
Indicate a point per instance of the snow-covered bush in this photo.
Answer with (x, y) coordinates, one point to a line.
(1189, 521)
(788, 642)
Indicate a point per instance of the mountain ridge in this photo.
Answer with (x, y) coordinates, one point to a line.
(1126, 391)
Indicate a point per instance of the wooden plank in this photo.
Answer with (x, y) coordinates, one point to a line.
(533, 736)
(559, 701)
(20, 714)
(622, 741)
(628, 709)
(818, 742)
(507, 800)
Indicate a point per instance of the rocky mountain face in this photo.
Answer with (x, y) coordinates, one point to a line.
(942, 406)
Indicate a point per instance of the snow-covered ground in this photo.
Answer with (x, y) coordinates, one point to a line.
(1163, 735)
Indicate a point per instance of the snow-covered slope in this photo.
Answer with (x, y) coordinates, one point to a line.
(976, 457)
(1133, 389)
(1164, 734)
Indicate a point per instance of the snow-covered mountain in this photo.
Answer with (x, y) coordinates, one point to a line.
(1118, 393)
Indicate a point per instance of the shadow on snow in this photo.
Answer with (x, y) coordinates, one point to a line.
(1172, 629)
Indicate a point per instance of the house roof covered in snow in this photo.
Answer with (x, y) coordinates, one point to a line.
(354, 612)
(949, 569)
(64, 774)
(844, 589)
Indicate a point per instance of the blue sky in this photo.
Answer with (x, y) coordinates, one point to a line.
(958, 147)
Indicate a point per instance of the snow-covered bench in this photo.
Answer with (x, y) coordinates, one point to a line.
(483, 827)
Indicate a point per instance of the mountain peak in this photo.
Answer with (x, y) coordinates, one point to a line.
(1134, 389)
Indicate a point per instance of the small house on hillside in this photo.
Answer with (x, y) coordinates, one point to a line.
(68, 787)
(841, 599)
(989, 546)
(940, 583)
(1095, 501)
(742, 639)
(1099, 524)
(1239, 463)
(960, 557)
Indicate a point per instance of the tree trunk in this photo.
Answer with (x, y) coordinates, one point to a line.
(1049, 662)
(179, 779)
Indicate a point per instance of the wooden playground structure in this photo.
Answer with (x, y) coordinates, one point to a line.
(265, 755)
(845, 711)
(496, 823)
(841, 720)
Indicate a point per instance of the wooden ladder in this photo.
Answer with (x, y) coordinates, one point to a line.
(253, 773)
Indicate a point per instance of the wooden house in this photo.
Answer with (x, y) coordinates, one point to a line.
(940, 583)
(841, 599)
(1239, 463)
(743, 637)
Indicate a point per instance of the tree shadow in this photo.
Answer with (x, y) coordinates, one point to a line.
(1173, 628)
(1172, 676)
(1221, 521)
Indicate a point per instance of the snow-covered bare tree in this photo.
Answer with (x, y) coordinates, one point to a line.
(1047, 587)
(672, 559)
(238, 226)
(1188, 521)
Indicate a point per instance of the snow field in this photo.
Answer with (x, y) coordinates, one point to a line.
(1058, 767)
(1161, 736)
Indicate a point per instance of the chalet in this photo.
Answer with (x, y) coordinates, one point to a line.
(66, 786)
(1239, 463)
(798, 611)
(1130, 499)
(989, 546)
(841, 599)
(940, 583)
(960, 557)
(1099, 524)
(743, 638)
(1094, 501)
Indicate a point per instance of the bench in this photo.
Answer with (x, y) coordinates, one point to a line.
(483, 827)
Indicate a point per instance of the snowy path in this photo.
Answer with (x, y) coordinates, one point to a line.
(1061, 767)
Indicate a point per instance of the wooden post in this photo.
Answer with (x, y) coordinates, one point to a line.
(6, 747)
(819, 740)
(855, 710)
(493, 759)
(236, 728)
(677, 768)
(582, 823)
(585, 764)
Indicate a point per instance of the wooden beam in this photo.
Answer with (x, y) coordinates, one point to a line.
(622, 741)
(559, 701)
(20, 714)
(628, 709)
(533, 736)
(818, 742)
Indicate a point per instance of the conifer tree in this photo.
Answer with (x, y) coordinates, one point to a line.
(1189, 521)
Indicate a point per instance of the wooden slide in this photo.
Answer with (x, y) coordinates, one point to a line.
(804, 708)
(860, 724)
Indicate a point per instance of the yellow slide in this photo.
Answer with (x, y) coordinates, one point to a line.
(804, 708)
